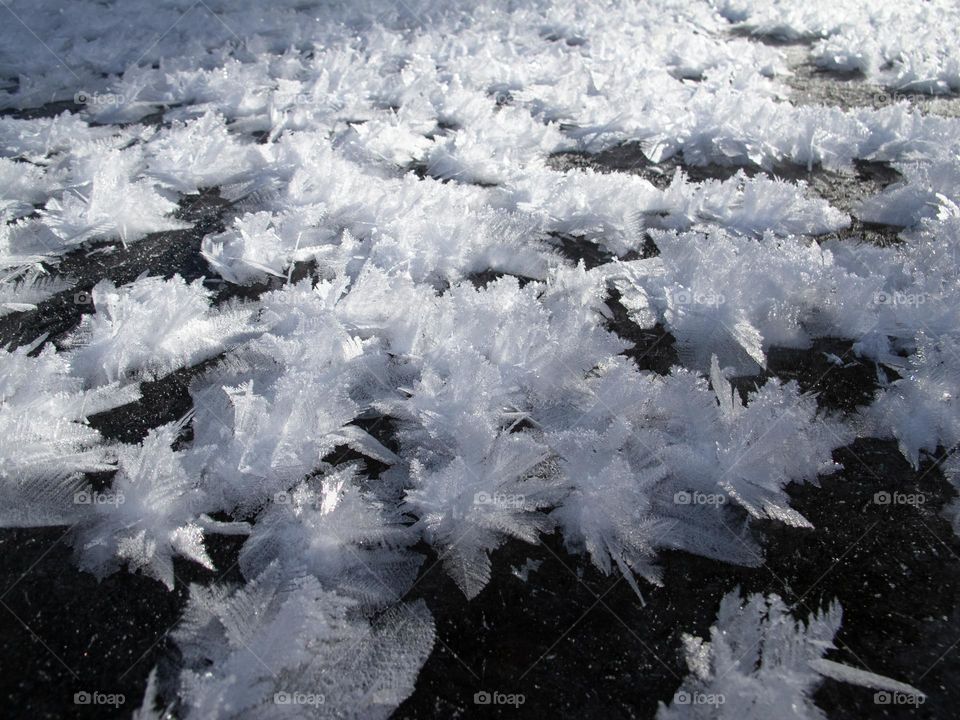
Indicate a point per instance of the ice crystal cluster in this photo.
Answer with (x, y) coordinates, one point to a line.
(391, 348)
(760, 660)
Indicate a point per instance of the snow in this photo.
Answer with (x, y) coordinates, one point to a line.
(407, 159)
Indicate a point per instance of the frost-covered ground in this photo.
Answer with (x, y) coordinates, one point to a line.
(428, 358)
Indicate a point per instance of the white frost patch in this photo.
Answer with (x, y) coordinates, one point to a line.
(45, 443)
(151, 327)
(142, 520)
(312, 651)
(761, 662)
